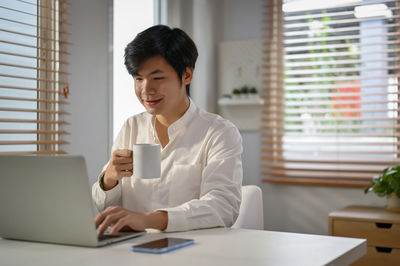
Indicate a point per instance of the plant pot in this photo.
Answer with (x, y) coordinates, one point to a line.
(236, 97)
(393, 203)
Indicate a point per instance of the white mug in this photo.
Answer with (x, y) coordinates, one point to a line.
(146, 160)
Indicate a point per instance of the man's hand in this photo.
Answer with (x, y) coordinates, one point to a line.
(122, 219)
(120, 166)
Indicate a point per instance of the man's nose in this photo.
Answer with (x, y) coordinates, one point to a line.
(147, 87)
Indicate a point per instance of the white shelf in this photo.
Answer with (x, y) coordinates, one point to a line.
(243, 101)
(239, 65)
(245, 113)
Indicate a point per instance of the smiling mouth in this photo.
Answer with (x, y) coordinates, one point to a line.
(152, 102)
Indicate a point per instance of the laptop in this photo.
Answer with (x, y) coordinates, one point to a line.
(48, 199)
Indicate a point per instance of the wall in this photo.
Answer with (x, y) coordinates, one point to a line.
(89, 83)
(200, 20)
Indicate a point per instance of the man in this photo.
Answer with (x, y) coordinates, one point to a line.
(201, 167)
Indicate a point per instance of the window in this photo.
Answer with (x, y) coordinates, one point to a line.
(332, 84)
(33, 76)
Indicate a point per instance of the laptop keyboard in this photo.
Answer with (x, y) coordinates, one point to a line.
(107, 236)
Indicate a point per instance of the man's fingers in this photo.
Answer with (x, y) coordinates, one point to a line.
(124, 167)
(122, 222)
(120, 166)
(97, 220)
(102, 228)
(109, 220)
(122, 153)
(121, 219)
(123, 160)
(126, 173)
(101, 216)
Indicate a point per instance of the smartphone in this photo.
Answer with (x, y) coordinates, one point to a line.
(162, 245)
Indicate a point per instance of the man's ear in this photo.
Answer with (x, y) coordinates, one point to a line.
(188, 75)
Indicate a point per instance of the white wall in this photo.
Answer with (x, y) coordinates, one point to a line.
(242, 20)
(201, 21)
(89, 83)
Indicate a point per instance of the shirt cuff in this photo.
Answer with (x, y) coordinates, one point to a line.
(176, 219)
(107, 198)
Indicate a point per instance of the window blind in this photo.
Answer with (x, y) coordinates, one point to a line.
(331, 88)
(33, 76)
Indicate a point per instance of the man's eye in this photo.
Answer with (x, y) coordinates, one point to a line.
(159, 78)
(138, 79)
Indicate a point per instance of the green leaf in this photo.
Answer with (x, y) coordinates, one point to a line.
(386, 183)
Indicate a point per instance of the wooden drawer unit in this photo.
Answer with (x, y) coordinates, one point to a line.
(380, 227)
(377, 234)
(378, 256)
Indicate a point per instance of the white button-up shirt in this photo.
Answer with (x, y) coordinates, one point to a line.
(201, 171)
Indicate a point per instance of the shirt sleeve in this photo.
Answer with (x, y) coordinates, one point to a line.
(105, 198)
(113, 197)
(220, 190)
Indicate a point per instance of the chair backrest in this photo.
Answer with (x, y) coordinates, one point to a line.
(251, 214)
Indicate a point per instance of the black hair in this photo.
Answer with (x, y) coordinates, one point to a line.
(174, 45)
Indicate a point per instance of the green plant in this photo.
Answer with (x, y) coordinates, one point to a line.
(386, 183)
(236, 91)
(244, 90)
(253, 90)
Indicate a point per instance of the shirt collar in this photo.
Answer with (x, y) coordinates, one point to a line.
(182, 122)
(179, 124)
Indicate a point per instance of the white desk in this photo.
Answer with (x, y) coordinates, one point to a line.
(212, 247)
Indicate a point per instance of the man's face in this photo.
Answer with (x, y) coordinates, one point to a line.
(159, 88)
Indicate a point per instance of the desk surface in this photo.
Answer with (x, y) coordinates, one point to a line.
(220, 246)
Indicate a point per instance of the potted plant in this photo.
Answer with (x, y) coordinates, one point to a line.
(253, 93)
(244, 91)
(387, 184)
(236, 93)
(253, 90)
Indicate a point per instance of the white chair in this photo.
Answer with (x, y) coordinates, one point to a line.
(251, 214)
